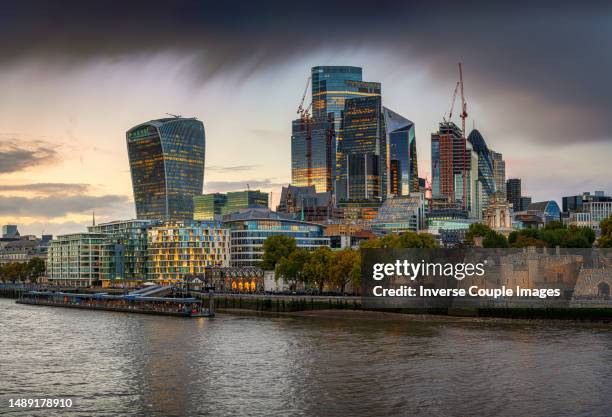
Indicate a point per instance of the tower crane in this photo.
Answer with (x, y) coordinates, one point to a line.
(305, 112)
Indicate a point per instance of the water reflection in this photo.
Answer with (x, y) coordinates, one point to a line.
(121, 364)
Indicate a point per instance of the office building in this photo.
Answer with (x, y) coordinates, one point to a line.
(331, 87)
(598, 210)
(313, 153)
(525, 202)
(9, 231)
(402, 168)
(499, 173)
(401, 214)
(450, 162)
(167, 166)
(249, 229)
(208, 206)
(362, 167)
(513, 193)
(180, 250)
(486, 168)
(307, 204)
(576, 202)
(546, 210)
(75, 259)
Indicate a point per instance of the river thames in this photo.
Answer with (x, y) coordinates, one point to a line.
(133, 365)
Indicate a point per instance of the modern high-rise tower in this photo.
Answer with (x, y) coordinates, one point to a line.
(313, 155)
(402, 169)
(167, 165)
(513, 193)
(486, 169)
(331, 87)
(362, 167)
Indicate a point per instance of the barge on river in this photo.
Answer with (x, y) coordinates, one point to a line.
(129, 303)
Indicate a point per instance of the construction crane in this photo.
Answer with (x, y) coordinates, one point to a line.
(452, 107)
(463, 117)
(305, 112)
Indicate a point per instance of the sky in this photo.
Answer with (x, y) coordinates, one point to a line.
(74, 76)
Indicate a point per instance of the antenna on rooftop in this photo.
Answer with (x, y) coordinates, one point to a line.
(178, 116)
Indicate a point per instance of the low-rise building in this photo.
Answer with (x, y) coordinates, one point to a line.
(249, 229)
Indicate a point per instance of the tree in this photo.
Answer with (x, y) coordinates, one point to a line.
(317, 268)
(36, 268)
(403, 240)
(291, 267)
(526, 241)
(605, 240)
(346, 268)
(491, 239)
(275, 248)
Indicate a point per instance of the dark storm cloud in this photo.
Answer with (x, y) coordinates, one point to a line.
(58, 205)
(16, 156)
(545, 65)
(47, 187)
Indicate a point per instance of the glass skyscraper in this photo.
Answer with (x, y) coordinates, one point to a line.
(362, 168)
(331, 87)
(313, 155)
(167, 165)
(486, 173)
(402, 154)
(208, 205)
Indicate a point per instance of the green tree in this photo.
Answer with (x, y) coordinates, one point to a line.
(526, 241)
(36, 268)
(605, 240)
(317, 267)
(491, 239)
(346, 268)
(291, 267)
(275, 248)
(403, 240)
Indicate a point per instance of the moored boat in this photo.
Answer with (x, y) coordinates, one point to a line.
(130, 303)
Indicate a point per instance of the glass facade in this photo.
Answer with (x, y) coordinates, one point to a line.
(400, 214)
(449, 158)
(499, 172)
(167, 165)
(250, 228)
(312, 153)
(124, 255)
(402, 154)
(180, 249)
(331, 87)
(206, 206)
(362, 169)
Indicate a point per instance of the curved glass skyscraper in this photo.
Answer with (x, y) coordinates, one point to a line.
(167, 165)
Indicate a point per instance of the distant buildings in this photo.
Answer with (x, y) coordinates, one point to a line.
(362, 166)
(208, 205)
(499, 173)
(313, 153)
(307, 204)
(403, 174)
(249, 229)
(513, 193)
(9, 231)
(401, 214)
(167, 165)
(576, 202)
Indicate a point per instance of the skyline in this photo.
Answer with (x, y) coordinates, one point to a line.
(65, 111)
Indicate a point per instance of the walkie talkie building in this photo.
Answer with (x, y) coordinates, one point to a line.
(167, 165)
